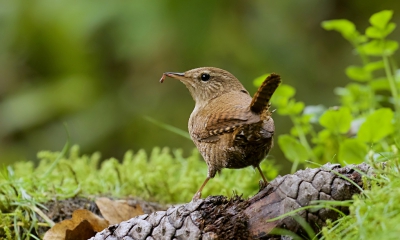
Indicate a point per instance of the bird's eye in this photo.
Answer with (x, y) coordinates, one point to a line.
(205, 77)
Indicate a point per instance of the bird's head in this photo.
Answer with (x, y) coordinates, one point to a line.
(207, 83)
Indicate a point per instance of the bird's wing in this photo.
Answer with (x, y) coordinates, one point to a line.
(238, 111)
(228, 113)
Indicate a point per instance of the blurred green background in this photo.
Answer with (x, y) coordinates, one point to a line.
(96, 64)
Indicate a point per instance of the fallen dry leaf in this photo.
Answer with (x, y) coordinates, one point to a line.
(117, 211)
(83, 231)
(83, 225)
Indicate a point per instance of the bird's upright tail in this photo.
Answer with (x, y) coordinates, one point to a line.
(264, 93)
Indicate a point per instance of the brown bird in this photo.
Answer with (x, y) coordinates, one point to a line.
(229, 127)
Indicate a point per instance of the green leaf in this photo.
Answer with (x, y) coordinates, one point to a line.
(323, 136)
(259, 80)
(373, 66)
(358, 73)
(337, 120)
(292, 108)
(377, 126)
(297, 108)
(285, 90)
(381, 19)
(282, 95)
(375, 32)
(292, 148)
(352, 151)
(305, 128)
(380, 84)
(380, 47)
(344, 26)
(361, 39)
(373, 48)
(389, 29)
(390, 47)
(357, 97)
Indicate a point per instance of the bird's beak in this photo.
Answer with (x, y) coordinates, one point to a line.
(175, 75)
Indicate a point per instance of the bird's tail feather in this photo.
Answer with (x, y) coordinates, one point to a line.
(264, 93)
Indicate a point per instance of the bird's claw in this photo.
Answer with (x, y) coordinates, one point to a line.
(196, 196)
(262, 184)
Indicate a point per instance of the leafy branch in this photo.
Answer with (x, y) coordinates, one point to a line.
(366, 125)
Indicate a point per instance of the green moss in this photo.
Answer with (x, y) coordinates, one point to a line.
(163, 175)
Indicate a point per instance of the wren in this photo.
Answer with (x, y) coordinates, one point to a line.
(230, 128)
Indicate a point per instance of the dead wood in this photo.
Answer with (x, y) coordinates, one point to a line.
(217, 217)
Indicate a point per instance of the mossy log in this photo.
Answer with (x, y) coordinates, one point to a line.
(217, 217)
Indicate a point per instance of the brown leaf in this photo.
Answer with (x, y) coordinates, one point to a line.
(83, 225)
(117, 211)
(83, 231)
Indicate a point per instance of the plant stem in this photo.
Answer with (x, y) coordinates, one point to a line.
(294, 166)
(392, 83)
(363, 56)
(365, 61)
(393, 66)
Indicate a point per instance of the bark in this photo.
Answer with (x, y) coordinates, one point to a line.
(217, 217)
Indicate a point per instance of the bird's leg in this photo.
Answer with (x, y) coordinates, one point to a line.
(263, 177)
(197, 196)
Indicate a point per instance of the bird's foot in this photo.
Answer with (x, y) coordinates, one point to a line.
(196, 196)
(262, 184)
